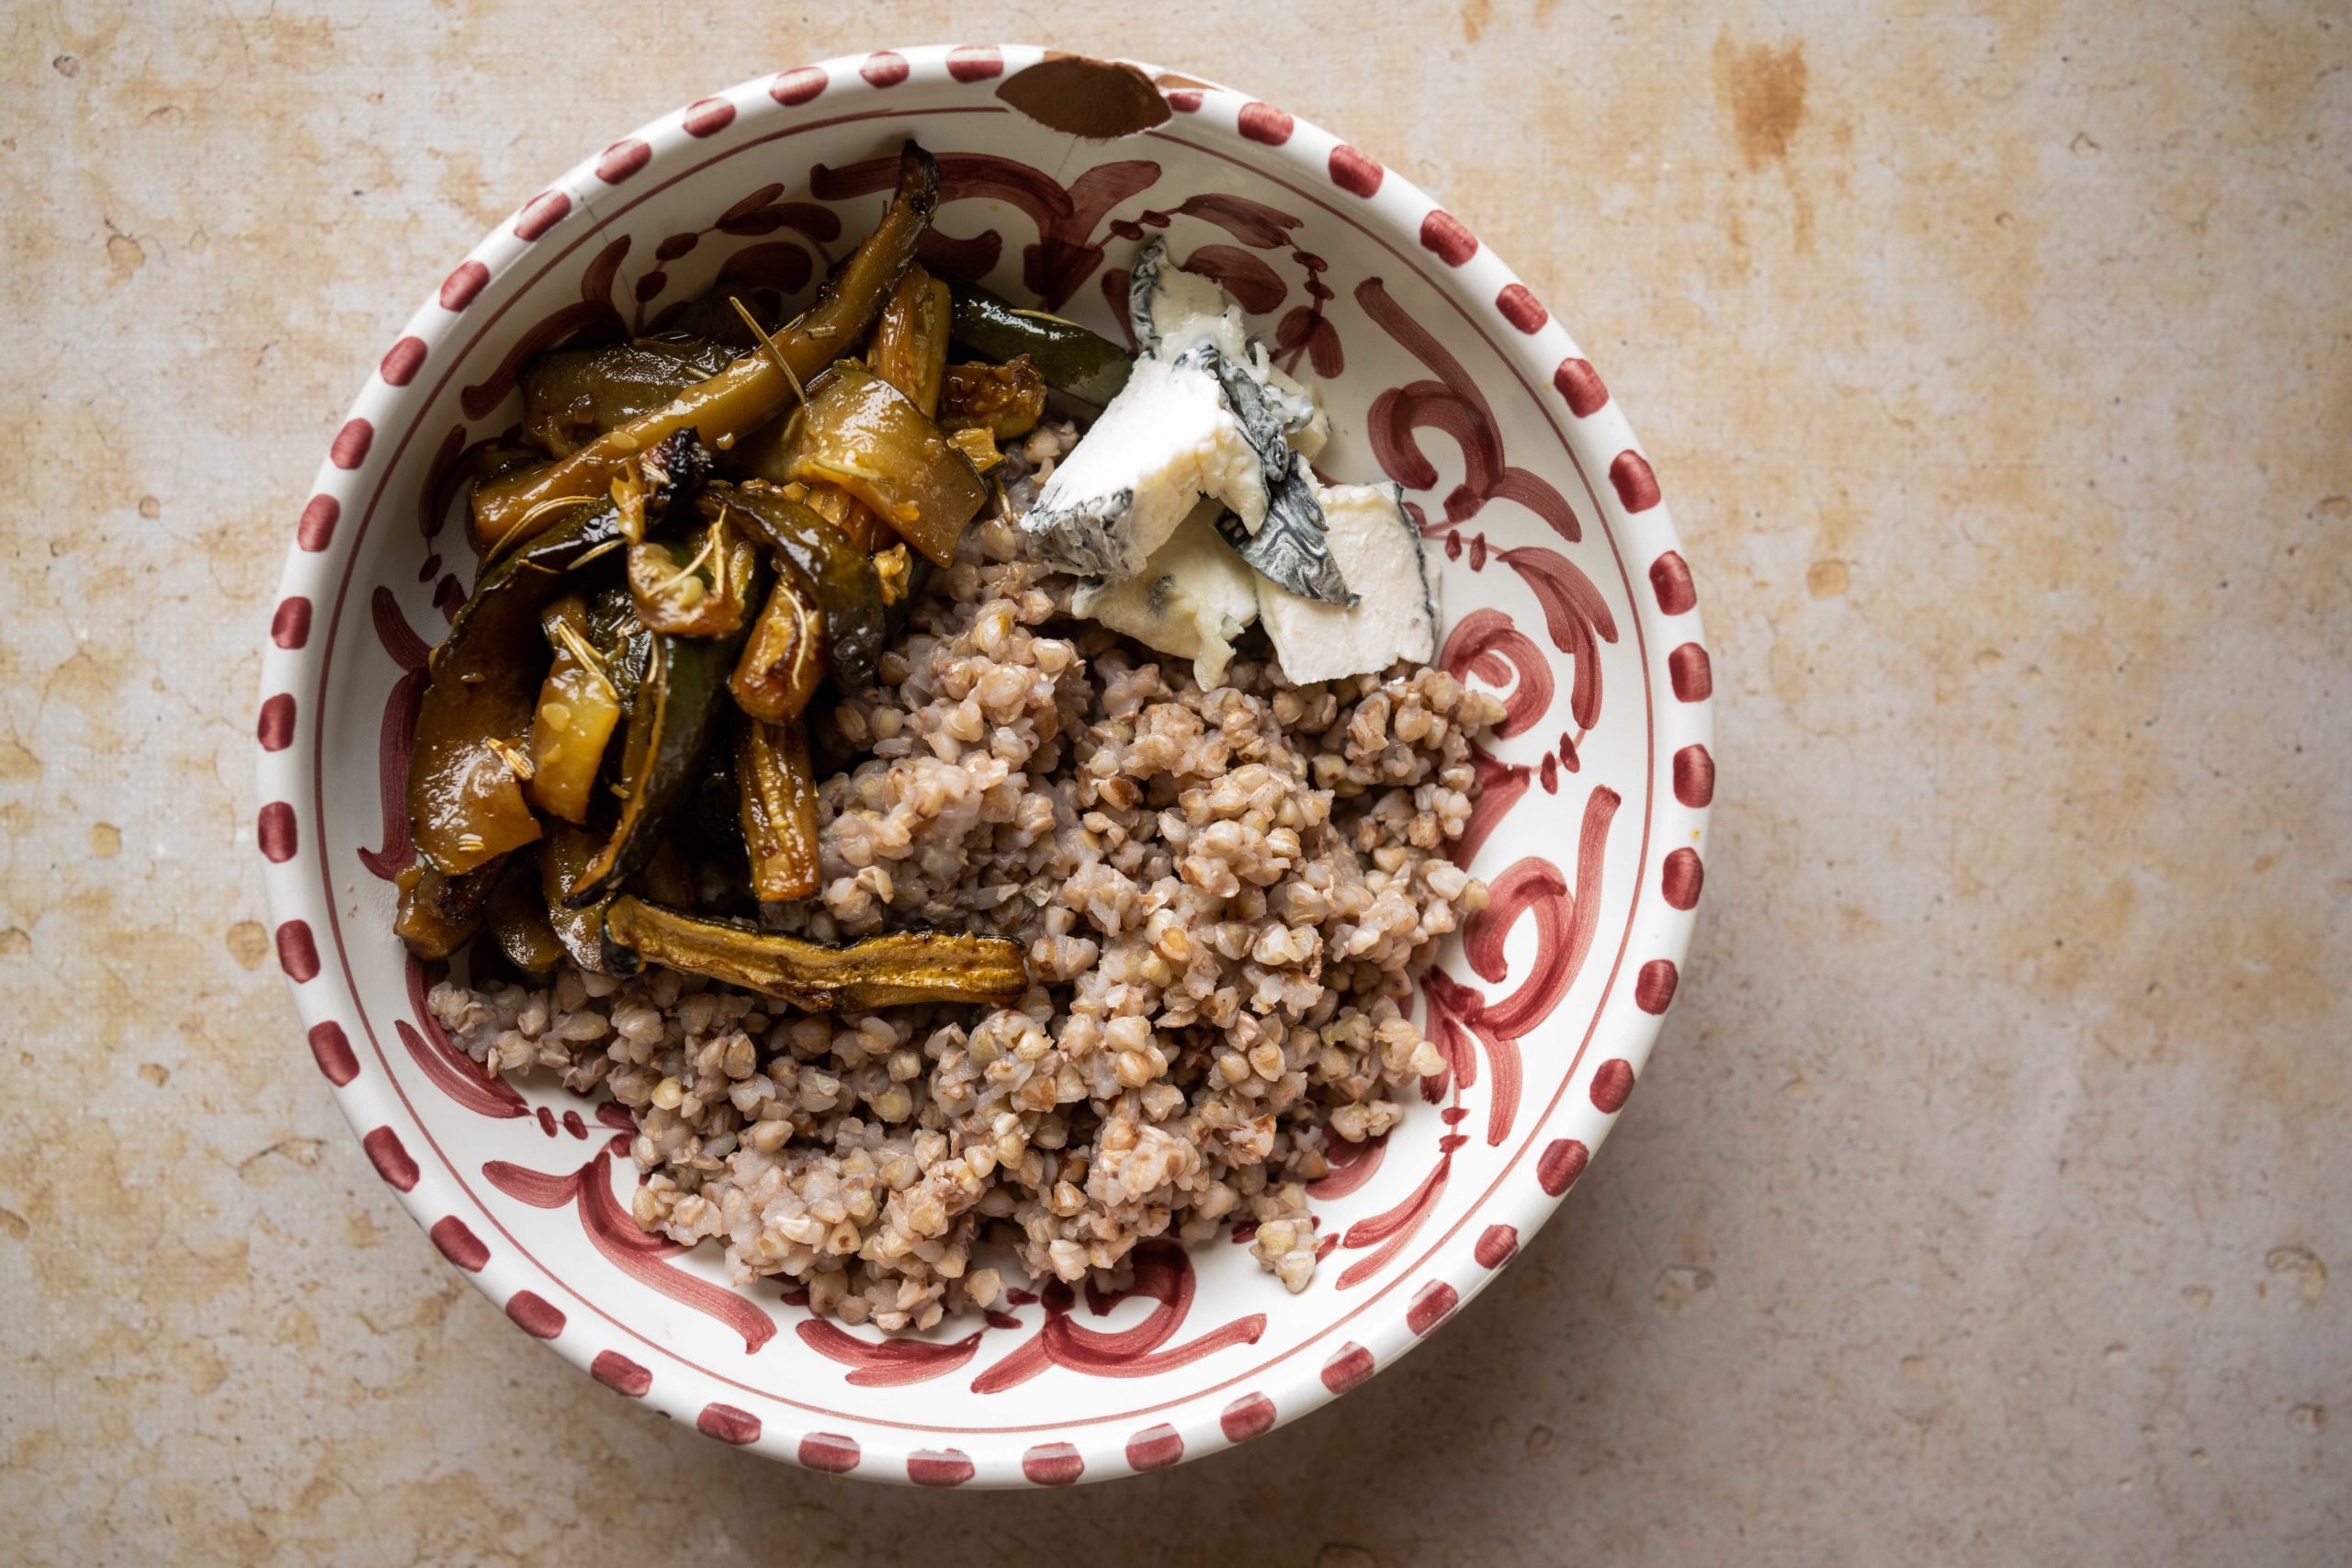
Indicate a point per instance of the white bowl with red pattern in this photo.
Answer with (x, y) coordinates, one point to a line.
(1563, 589)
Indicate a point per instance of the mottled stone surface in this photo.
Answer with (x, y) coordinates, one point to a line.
(1980, 1203)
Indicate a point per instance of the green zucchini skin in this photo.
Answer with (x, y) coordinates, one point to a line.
(1086, 365)
(681, 707)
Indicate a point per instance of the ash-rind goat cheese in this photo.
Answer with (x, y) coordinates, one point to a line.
(1286, 546)
(1192, 599)
(1170, 309)
(1176, 314)
(1164, 302)
(1396, 613)
(1166, 440)
(1189, 499)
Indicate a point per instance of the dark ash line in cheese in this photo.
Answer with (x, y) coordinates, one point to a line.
(1288, 551)
(1081, 534)
(1289, 548)
(1143, 282)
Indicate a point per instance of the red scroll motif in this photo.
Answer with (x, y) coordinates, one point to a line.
(783, 266)
(891, 1362)
(1064, 255)
(1462, 1022)
(398, 731)
(1453, 406)
(453, 1072)
(637, 1253)
(1575, 616)
(1484, 643)
(1389, 1232)
(1501, 785)
(593, 317)
(1351, 1165)
(1258, 286)
(1564, 925)
(1164, 1273)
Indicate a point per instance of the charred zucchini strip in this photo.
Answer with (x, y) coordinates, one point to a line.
(861, 433)
(841, 574)
(909, 347)
(578, 710)
(1084, 363)
(779, 808)
(882, 971)
(748, 393)
(681, 703)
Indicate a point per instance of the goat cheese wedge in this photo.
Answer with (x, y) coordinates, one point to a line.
(1192, 599)
(1178, 314)
(1164, 301)
(1172, 311)
(1287, 543)
(1396, 613)
(1167, 439)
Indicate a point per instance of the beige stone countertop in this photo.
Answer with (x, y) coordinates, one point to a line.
(1981, 1200)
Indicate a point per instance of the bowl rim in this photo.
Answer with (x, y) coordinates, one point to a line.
(1322, 169)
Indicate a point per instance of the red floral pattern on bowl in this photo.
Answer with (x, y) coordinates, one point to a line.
(1564, 591)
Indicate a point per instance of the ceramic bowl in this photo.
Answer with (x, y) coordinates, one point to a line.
(1563, 589)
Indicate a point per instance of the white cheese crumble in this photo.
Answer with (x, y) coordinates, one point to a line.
(1192, 599)
(1395, 614)
(1167, 440)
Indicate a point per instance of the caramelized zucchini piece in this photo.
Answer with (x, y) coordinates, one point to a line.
(910, 349)
(842, 575)
(439, 914)
(978, 448)
(698, 585)
(465, 795)
(779, 808)
(767, 455)
(681, 701)
(578, 710)
(784, 658)
(466, 770)
(666, 877)
(518, 916)
(882, 971)
(574, 395)
(1084, 363)
(848, 514)
(860, 433)
(563, 855)
(1005, 399)
(750, 391)
(466, 806)
(617, 636)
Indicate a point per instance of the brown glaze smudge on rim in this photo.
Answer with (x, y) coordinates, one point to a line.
(1098, 99)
